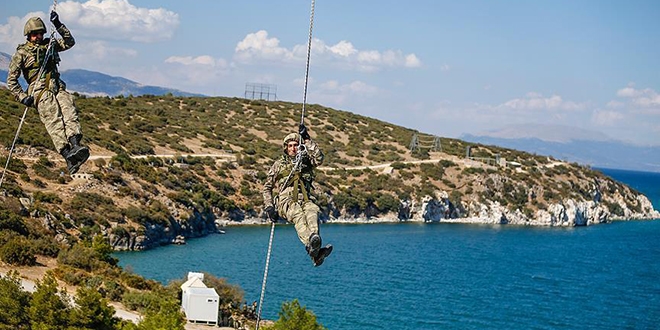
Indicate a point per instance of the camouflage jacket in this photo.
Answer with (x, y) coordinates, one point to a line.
(282, 168)
(28, 60)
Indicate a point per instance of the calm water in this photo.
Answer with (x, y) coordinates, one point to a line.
(440, 276)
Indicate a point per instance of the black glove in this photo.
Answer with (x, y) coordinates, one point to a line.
(303, 132)
(28, 101)
(272, 214)
(55, 18)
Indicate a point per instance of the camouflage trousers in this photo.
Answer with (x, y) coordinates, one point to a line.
(303, 214)
(58, 113)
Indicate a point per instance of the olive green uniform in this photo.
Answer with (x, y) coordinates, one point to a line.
(295, 202)
(55, 105)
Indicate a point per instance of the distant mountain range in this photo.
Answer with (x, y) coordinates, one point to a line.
(93, 83)
(574, 145)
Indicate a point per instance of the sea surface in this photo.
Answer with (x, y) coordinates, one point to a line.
(443, 276)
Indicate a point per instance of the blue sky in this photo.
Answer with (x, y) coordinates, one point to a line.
(442, 67)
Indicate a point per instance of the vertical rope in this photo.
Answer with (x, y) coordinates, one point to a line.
(263, 283)
(11, 151)
(309, 50)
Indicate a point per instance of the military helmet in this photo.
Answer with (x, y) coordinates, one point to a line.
(291, 137)
(33, 25)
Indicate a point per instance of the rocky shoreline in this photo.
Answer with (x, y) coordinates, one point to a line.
(569, 213)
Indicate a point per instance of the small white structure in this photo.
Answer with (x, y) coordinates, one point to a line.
(199, 303)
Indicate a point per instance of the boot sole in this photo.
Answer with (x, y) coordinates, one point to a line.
(322, 255)
(315, 245)
(80, 158)
(81, 155)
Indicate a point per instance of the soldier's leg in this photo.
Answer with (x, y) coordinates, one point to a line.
(67, 105)
(311, 211)
(312, 218)
(293, 213)
(79, 153)
(51, 116)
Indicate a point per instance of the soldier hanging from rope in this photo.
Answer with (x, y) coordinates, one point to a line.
(37, 60)
(293, 173)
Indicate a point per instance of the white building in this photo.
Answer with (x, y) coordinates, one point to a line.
(199, 303)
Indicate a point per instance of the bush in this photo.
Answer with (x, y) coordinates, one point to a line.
(17, 251)
(387, 203)
(79, 256)
(140, 301)
(46, 246)
(13, 222)
(47, 197)
(294, 316)
(113, 290)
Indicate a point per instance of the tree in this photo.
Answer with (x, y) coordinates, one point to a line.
(103, 249)
(167, 317)
(49, 308)
(13, 303)
(92, 311)
(295, 317)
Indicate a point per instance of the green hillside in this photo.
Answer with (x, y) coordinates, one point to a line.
(125, 197)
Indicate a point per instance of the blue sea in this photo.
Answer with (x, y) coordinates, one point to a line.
(443, 276)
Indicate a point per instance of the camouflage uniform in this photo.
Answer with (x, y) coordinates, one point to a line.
(295, 202)
(55, 105)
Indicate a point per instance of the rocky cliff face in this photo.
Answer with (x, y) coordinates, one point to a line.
(569, 212)
(176, 232)
(185, 223)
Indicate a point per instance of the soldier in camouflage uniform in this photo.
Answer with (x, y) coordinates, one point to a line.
(294, 201)
(46, 91)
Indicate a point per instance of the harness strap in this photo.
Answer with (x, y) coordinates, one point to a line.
(41, 92)
(298, 184)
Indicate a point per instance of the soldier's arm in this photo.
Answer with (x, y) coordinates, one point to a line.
(269, 184)
(67, 40)
(314, 152)
(12, 77)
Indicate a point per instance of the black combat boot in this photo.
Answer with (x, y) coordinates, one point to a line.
(66, 153)
(314, 245)
(324, 252)
(78, 153)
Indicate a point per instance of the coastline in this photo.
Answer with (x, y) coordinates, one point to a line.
(364, 221)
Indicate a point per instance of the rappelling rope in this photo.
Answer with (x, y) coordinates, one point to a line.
(49, 51)
(263, 283)
(309, 51)
(302, 152)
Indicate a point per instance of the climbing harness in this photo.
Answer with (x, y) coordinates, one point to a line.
(298, 160)
(49, 53)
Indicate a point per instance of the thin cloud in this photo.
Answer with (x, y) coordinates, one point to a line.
(606, 118)
(536, 101)
(644, 98)
(97, 55)
(354, 87)
(260, 46)
(336, 94)
(118, 20)
(203, 60)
